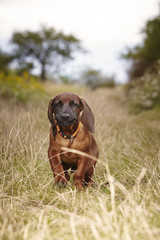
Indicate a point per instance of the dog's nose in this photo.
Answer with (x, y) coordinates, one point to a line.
(65, 116)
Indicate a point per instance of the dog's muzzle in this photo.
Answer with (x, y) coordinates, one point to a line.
(65, 119)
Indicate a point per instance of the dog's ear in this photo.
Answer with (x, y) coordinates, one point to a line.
(87, 117)
(51, 118)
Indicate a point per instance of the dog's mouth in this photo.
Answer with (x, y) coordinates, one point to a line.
(65, 123)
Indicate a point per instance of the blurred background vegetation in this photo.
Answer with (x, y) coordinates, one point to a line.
(50, 50)
(143, 88)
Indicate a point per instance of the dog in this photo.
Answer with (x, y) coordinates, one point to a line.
(72, 125)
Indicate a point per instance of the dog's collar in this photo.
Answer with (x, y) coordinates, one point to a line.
(68, 136)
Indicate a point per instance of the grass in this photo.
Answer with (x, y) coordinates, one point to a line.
(124, 203)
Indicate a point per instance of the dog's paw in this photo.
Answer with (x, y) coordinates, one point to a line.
(61, 181)
(79, 186)
(62, 184)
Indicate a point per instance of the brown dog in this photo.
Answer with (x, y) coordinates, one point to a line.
(72, 124)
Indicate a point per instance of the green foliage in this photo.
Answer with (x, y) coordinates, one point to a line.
(5, 60)
(145, 54)
(21, 88)
(93, 79)
(47, 47)
(144, 92)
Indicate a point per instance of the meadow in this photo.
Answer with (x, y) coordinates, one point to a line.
(124, 202)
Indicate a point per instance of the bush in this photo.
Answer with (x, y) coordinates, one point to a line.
(21, 88)
(94, 79)
(144, 92)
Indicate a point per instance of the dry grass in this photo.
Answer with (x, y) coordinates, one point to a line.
(123, 204)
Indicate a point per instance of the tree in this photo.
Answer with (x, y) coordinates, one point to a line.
(5, 60)
(145, 55)
(94, 79)
(91, 78)
(47, 47)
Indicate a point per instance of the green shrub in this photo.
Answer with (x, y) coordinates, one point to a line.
(144, 92)
(21, 88)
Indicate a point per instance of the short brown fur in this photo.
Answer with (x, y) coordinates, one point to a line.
(83, 141)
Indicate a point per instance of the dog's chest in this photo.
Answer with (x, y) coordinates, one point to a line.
(67, 155)
(70, 158)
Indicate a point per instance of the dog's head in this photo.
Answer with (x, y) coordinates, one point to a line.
(65, 109)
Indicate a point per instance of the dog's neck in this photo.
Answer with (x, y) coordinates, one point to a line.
(70, 130)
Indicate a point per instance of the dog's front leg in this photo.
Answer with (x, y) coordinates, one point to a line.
(56, 166)
(80, 172)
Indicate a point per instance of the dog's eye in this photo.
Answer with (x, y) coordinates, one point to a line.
(74, 104)
(59, 104)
